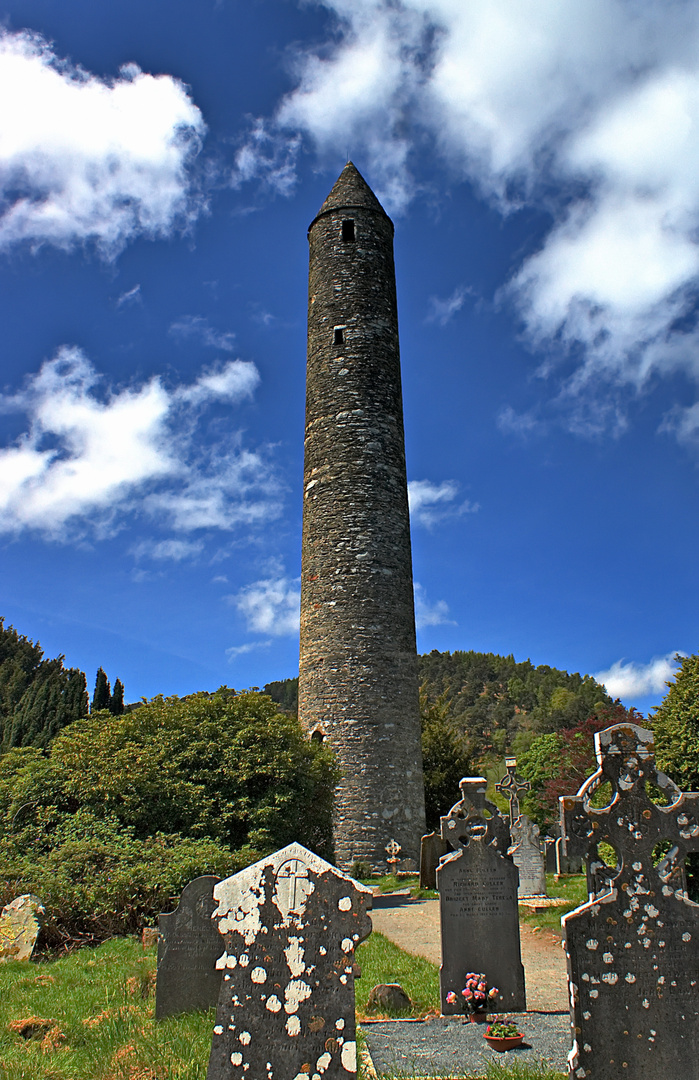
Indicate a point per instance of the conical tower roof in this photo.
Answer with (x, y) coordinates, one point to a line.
(350, 190)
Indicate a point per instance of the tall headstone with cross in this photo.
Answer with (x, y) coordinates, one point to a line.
(477, 884)
(526, 850)
(393, 849)
(633, 948)
(290, 924)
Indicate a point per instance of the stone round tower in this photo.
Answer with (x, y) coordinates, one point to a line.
(358, 678)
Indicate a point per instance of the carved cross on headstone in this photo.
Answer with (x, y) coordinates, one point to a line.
(510, 786)
(392, 849)
(474, 818)
(633, 948)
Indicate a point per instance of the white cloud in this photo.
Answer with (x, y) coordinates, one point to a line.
(430, 614)
(270, 606)
(441, 311)
(625, 679)
(250, 646)
(267, 155)
(431, 503)
(89, 159)
(172, 549)
(196, 326)
(91, 454)
(522, 424)
(588, 110)
(131, 296)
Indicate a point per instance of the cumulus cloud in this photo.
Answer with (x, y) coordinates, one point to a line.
(91, 454)
(84, 159)
(431, 503)
(627, 680)
(430, 614)
(270, 606)
(197, 327)
(588, 110)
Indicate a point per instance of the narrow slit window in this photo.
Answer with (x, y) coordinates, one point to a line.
(348, 231)
(339, 335)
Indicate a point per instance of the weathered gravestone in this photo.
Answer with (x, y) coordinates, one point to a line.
(633, 948)
(528, 857)
(477, 885)
(20, 923)
(570, 863)
(189, 945)
(291, 924)
(550, 854)
(525, 843)
(432, 847)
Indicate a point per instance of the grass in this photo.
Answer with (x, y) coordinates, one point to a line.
(572, 889)
(495, 1071)
(383, 962)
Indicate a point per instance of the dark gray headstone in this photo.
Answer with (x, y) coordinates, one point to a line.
(432, 847)
(633, 948)
(20, 923)
(528, 857)
(550, 854)
(567, 862)
(478, 903)
(188, 947)
(291, 924)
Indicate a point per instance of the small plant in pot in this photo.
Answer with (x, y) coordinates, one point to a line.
(474, 996)
(503, 1036)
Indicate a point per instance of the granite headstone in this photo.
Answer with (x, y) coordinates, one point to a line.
(633, 948)
(290, 923)
(189, 945)
(528, 857)
(432, 847)
(20, 923)
(477, 884)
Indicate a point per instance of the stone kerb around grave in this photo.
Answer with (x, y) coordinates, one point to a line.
(290, 924)
(633, 948)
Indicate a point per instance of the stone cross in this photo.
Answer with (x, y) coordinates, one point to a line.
(393, 850)
(474, 817)
(510, 786)
(633, 948)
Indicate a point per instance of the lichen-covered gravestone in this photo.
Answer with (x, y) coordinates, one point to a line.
(291, 924)
(633, 949)
(477, 885)
(20, 923)
(189, 945)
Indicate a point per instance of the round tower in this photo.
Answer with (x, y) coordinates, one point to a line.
(358, 678)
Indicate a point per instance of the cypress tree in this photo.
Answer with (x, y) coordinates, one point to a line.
(101, 698)
(116, 703)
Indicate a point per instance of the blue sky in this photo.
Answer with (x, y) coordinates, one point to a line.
(160, 162)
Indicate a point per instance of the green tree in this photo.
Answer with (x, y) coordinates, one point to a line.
(116, 702)
(445, 757)
(676, 726)
(102, 695)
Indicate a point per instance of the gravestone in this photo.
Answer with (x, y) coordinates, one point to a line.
(432, 847)
(477, 884)
(291, 924)
(567, 862)
(20, 923)
(633, 948)
(528, 857)
(189, 945)
(550, 854)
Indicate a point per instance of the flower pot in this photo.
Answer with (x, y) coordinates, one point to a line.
(478, 1018)
(501, 1043)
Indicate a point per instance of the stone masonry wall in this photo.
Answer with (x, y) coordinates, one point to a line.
(358, 681)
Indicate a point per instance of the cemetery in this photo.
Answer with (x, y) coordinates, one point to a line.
(291, 968)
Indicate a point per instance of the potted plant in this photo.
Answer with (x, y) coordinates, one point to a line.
(503, 1036)
(475, 996)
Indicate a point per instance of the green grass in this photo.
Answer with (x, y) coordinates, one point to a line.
(494, 1071)
(383, 962)
(103, 1024)
(572, 889)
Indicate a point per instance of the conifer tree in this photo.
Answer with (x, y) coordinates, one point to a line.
(101, 698)
(116, 702)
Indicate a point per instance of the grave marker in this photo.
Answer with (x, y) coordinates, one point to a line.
(477, 885)
(432, 847)
(20, 923)
(189, 945)
(528, 857)
(633, 948)
(291, 924)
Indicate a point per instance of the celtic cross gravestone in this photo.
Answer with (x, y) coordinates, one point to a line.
(477, 885)
(633, 948)
(525, 842)
(290, 924)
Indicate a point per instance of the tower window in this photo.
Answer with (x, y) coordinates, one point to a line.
(318, 736)
(348, 231)
(339, 335)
